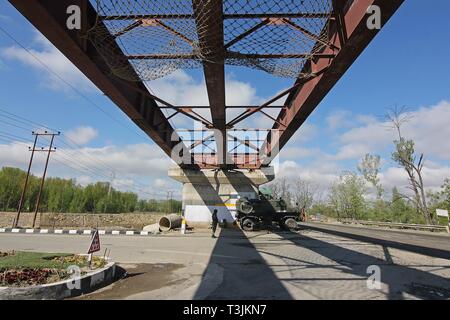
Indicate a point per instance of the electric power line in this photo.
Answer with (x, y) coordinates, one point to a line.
(89, 100)
(70, 144)
(78, 164)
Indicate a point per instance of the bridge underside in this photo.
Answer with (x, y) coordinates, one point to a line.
(122, 45)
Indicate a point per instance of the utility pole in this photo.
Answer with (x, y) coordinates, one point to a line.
(113, 177)
(169, 200)
(22, 196)
(49, 151)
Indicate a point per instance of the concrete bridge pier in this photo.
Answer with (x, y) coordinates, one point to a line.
(206, 190)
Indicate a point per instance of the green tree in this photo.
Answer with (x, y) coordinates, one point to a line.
(369, 167)
(401, 210)
(66, 196)
(347, 196)
(405, 156)
(11, 184)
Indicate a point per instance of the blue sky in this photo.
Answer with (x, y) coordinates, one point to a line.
(406, 64)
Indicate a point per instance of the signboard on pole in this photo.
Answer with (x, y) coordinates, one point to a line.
(95, 243)
(442, 213)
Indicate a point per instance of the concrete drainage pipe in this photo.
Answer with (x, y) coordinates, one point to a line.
(170, 221)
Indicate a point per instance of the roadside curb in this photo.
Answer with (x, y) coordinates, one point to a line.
(62, 289)
(77, 231)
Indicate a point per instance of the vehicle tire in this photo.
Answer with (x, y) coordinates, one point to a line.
(290, 224)
(245, 207)
(248, 224)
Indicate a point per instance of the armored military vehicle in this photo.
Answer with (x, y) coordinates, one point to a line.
(263, 212)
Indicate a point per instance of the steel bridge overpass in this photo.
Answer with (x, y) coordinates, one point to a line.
(120, 45)
(335, 48)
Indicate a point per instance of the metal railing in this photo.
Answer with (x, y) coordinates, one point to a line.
(397, 225)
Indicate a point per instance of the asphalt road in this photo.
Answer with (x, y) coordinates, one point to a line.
(318, 262)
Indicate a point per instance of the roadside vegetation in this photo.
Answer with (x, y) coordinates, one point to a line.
(359, 195)
(350, 197)
(66, 196)
(20, 268)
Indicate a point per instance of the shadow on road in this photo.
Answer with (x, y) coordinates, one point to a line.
(238, 277)
(420, 249)
(399, 279)
(237, 270)
(247, 276)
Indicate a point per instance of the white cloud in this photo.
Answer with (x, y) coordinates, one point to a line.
(344, 119)
(82, 135)
(338, 120)
(160, 183)
(84, 180)
(45, 56)
(396, 177)
(140, 168)
(352, 151)
(179, 88)
(324, 173)
(428, 127)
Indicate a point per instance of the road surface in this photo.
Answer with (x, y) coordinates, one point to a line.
(318, 262)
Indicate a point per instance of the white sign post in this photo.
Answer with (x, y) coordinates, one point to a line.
(444, 214)
(183, 226)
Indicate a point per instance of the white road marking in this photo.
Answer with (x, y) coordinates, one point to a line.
(193, 253)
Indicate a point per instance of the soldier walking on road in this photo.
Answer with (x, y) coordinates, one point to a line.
(214, 223)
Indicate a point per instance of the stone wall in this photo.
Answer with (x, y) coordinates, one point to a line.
(70, 220)
(25, 221)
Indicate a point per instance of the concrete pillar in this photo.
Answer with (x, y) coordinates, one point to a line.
(206, 190)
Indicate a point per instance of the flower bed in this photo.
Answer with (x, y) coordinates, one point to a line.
(18, 269)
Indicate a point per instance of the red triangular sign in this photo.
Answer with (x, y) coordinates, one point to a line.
(95, 243)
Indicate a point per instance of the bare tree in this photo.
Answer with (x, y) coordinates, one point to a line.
(280, 189)
(304, 192)
(405, 156)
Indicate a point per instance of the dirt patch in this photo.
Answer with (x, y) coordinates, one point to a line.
(139, 278)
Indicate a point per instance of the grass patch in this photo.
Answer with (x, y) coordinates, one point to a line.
(39, 260)
(22, 268)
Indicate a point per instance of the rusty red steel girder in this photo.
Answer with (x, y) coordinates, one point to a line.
(211, 15)
(349, 36)
(49, 17)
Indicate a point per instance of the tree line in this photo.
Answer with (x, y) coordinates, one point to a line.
(66, 196)
(348, 197)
